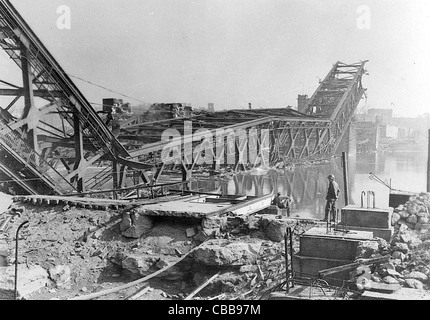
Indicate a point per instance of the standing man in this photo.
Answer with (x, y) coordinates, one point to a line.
(332, 195)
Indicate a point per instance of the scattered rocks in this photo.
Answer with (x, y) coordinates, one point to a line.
(414, 213)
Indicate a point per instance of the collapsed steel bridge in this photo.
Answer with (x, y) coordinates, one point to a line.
(58, 144)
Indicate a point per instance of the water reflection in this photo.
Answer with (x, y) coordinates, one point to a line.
(307, 185)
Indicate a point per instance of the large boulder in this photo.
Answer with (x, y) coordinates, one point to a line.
(390, 280)
(412, 219)
(366, 249)
(402, 247)
(404, 214)
(146, 264)
(423, 220)
(223, 252)
(134, 225)
(275, 229)
(30, 280)
(416, 275)
(141, 264)
(414, 283)
(60, 275)
(395, 217)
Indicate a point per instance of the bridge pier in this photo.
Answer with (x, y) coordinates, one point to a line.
(352, 139)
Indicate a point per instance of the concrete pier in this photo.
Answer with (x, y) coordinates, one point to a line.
(320, 250)
(375, 220)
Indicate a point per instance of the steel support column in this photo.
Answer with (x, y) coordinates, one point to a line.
(79, 153)
(27, 79)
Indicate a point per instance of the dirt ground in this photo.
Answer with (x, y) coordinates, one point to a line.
(89, 242)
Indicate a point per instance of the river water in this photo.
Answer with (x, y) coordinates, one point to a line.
(307, 185)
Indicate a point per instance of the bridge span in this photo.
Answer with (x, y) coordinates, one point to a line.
(60, 145)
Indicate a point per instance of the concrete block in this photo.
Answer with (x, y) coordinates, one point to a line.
(328, 248)
(384, 233)
(366, 217)
(310, 266)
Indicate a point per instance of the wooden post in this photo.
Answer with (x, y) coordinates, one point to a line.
(115, 178)
(428, 164)
(345, 177)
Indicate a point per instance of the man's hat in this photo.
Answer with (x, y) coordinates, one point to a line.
(330, 176)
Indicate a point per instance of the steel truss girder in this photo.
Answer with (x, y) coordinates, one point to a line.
(49, 81)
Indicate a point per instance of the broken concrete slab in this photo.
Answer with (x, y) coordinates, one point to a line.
(6, 201)
(223, 252)
(30, 280)
(401, 294)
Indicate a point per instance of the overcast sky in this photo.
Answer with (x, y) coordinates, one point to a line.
(231, 52)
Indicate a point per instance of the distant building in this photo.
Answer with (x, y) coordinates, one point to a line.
(211, 107)
(116, 106)
(379, 115)
(396, 127)
(302, 102)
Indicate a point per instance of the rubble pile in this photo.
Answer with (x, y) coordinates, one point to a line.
(73, 246)
(409, 264)
(414, 213)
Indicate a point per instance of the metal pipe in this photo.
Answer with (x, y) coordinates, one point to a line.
(16, 258)
(345, 177)
(291, 254)
(286, 261)
(288, 237)
(368, 199)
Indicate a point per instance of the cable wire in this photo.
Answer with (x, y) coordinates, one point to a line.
(107, 89)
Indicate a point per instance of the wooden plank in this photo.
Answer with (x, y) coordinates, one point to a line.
(326, 272)
(140, 293)
(192, 294)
